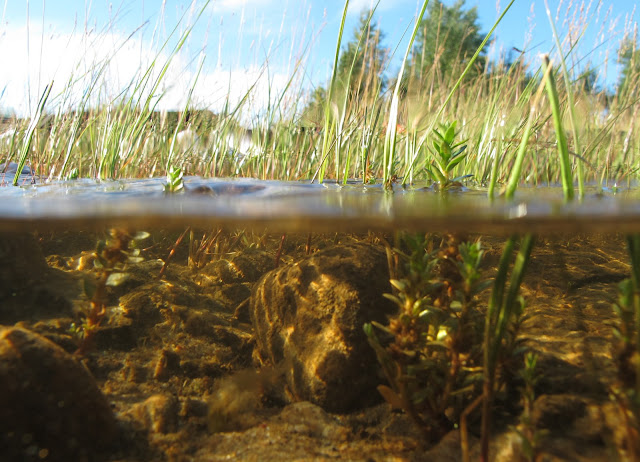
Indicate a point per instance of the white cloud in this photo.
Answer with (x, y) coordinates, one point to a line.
(73, 61)
(218, 6)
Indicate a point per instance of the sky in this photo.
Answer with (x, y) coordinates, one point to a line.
(235, 45)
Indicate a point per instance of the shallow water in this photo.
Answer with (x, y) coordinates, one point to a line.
(298, 206)
(175, 352)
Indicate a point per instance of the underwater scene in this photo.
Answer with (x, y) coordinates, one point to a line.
(251, 320)
(312, 231)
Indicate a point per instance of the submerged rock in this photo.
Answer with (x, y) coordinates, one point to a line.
(309, 316)
(12, 167)
(50, 406)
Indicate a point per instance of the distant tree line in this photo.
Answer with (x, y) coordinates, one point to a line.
(448, 37)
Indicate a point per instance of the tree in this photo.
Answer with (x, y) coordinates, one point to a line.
(447, 39)
(629, 59)
(362, 60)
(360, 67)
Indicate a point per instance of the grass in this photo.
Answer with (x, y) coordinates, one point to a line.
(374, 136)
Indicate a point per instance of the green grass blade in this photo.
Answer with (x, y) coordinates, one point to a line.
(329, 102)
(514, 177)
(572, 117)
(28, 137)
(391, 134)
(561, 137)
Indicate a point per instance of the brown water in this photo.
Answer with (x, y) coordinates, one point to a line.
(175, 354)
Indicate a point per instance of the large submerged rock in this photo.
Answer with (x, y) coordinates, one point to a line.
(50, 406)
(308, 319)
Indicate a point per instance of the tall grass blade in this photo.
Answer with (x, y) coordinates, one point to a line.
(561, 137)
(391, 134)
(514, 177)
(28, 137)
(453, 89)
(572, 117)
(327, 109)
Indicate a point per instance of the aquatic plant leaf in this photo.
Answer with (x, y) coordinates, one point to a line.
(450, 134)
(399, 284)
(454, 161)
(89, 287)
(394, 299)
(391, 397)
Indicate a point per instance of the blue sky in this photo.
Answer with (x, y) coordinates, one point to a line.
(244, 41)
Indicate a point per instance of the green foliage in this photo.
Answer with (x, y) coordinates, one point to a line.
(447, 153)
(626, 350)
(500, 327)
(629, 60)
(362, 60)
(175, 182)
(529, 435)
(431, 351)
(112, 256)
(447, 38)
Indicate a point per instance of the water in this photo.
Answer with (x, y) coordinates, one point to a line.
(298, 206)
(189, 316)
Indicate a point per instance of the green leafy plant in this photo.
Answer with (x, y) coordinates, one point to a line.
(112, 255)
(431, 351)
(526, 430)
(175, 182)
(447, 153)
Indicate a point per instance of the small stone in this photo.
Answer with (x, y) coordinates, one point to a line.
(157, 414)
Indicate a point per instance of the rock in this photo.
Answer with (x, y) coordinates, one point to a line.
(50, 406)
(309, 316)
(12, 167)
(157, 414)
(247, 266)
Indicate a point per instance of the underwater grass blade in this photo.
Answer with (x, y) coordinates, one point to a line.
(499, 314)
(561, 137)
(391, 134)
(633, 244)
(28, 137)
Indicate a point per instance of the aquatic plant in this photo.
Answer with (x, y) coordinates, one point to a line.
(505, 304)
(529, 435)
(626, 351)
(431, 352)
(175, 182)
(112, 255)
(447, 153)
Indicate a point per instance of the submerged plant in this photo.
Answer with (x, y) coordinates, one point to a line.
(526, 430)
(505, 306)
(626, 390)
(431, 353)
(447, 153)
(112, 255)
